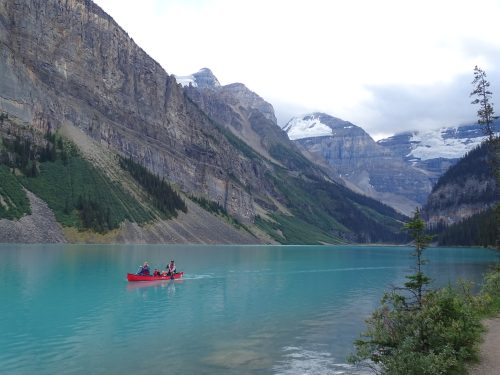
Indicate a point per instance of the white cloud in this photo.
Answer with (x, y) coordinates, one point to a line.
(332, 56)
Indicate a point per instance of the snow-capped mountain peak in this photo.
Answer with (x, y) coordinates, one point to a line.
(320, 125)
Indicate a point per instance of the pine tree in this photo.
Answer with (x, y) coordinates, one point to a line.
(485, 117)
(483, 96)
(416, 283)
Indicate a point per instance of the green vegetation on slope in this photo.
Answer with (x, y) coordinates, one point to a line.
(82, 197)
(332, 211)
(290, 230)
(164, 198)
(14, 203)
(238, 143)
(210, 206)
(478, 230)
(216, 209)
(475, 164)
(291, 158)
(78, 194)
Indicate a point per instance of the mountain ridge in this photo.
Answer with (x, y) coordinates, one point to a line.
(67, 65)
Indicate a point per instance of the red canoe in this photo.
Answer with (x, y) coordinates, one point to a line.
(134, 277)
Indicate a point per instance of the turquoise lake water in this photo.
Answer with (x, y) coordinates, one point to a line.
(68, 309)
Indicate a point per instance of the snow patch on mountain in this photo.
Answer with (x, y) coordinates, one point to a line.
(306, 127)
(434, 144)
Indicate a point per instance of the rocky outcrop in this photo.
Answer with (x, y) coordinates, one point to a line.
(352, 155)
(38, 227)
(204, 78)
(243, 112)
(250, 100)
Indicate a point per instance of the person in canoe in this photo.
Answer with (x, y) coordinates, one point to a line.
(171, 268)
(144, 269)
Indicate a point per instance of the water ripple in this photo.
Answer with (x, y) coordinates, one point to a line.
(297, 360)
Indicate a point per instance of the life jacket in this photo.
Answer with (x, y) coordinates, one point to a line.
(171, 267)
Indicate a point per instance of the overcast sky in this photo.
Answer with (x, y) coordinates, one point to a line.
(385, 65)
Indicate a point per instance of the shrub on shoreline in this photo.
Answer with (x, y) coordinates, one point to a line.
(417, 331)
(490, 293)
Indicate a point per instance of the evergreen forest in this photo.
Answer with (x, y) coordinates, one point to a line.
(79, 195)
(163, 197)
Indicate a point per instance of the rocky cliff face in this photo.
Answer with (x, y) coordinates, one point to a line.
(69, 62)
(354, 156)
